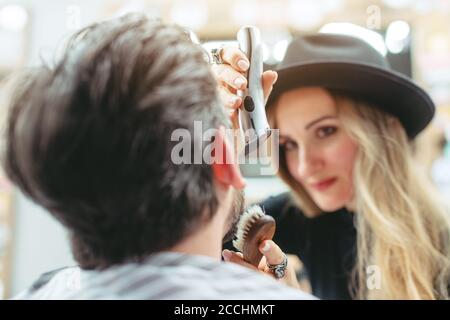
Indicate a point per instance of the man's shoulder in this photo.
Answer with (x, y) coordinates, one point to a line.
(249, 284)
(55, 284)
(165, 277)
(200, 277)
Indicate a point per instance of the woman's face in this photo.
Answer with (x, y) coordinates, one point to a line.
(320, 155)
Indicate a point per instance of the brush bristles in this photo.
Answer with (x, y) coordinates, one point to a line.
(248, 218)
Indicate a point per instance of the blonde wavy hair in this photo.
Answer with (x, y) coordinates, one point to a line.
(403, 228)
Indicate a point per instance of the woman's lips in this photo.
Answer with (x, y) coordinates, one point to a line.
(324, 184)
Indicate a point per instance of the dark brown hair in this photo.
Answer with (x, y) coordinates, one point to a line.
(90, 139)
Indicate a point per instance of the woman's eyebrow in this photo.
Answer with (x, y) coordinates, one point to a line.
(309, 125)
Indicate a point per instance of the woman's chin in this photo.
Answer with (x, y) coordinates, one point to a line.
(330, 205)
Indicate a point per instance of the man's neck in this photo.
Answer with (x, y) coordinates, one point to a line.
(207, 241)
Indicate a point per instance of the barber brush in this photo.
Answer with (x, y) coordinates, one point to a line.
(253, 228)
(252, 114)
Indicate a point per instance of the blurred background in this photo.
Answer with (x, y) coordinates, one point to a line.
(413, 34)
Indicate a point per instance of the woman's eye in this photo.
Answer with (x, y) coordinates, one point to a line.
(325, 131)
(289, 145)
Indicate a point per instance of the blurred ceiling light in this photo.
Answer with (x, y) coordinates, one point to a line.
(371, 37)
(397, 36)
(190, 13)
(279, 50)
(447, 132)
(439, 44)
(305, 14)
(276, 41)
(332, 5)
(398, 4)
(244, 12)
(131, 6)
(265, 52)
(13, 17)
(440, 93)
(423, 6)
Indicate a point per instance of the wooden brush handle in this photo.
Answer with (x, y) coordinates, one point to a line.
(262, 229)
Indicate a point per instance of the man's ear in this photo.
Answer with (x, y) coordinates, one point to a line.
(225, 164)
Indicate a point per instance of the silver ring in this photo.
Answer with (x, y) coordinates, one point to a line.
(279, 270)
(216, 55)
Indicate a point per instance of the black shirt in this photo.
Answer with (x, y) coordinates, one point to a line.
(325, 244)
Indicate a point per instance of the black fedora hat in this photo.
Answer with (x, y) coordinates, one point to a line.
(352, 65)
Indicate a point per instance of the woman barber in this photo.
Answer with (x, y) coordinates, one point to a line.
(360, 216)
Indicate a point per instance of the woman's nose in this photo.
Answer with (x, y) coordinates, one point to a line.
(309, 162)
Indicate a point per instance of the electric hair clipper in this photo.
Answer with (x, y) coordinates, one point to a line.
(252, 114)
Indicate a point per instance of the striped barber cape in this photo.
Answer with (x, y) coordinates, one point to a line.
(166, 275)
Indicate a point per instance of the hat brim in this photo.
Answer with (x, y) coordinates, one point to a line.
(390, 91)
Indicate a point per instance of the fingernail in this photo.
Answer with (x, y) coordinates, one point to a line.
(276, 76)
(234, 100)
(239, 82)
(226, 254)
(243, 65)
(266, 246)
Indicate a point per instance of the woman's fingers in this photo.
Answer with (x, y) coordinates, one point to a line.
(229, 99)
(230, 76)
(226, 74)
(235, 57)
(236, 257)
(268, 80)
(272, 252)
(231, 103)
(274, 255)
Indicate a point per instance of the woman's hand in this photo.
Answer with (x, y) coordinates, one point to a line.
(231, 77)
(273, 255)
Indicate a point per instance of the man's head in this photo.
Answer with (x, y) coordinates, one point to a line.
(90, 140)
